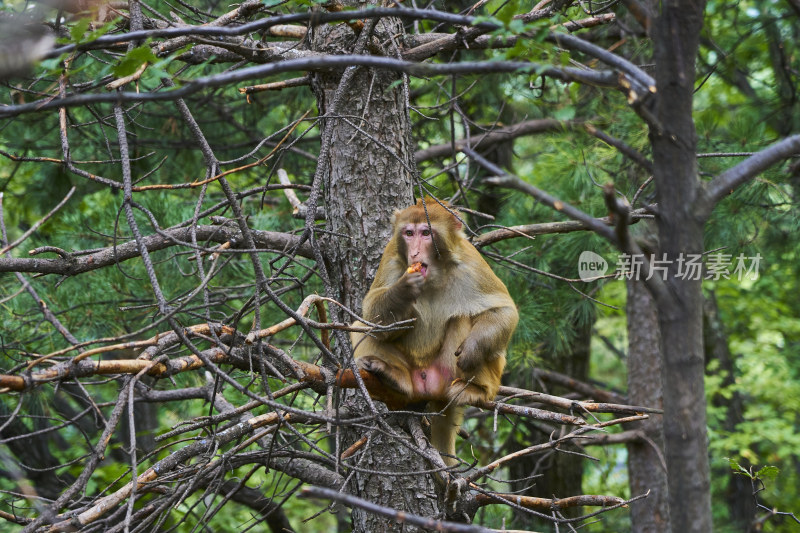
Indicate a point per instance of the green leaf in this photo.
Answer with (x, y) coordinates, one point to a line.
(506, 14)
(738, 469)
(102, 30)
(53, 64)
(516, 26)
(517, 51)
(565, 113)
(79, 29)
(394, 85)
(768, 472)
(134, 59)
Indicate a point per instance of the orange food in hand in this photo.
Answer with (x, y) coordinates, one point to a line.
(416, 267)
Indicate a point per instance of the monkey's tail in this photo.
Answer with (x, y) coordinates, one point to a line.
(444, 428)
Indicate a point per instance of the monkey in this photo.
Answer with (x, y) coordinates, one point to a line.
(455, 352)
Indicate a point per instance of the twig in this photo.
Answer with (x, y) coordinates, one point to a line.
(275, 86)
(36, 225)
(116, 84)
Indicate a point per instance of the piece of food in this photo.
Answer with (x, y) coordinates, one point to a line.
(416, 267)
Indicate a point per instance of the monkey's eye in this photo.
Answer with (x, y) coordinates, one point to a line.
(426, 233)
(409, 233)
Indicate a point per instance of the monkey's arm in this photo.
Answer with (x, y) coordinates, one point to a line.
(394, 302)
(489, 337)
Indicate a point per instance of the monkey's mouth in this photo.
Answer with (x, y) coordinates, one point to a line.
(423, 269)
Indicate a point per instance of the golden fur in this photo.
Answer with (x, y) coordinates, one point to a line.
(462, 304)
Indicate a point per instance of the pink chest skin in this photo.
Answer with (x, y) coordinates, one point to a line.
(431, 382)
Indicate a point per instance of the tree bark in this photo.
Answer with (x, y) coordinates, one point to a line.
(368, 176)
(739, 493)
(564, 476)
(554, 474)
(369, 173)
(673, 138)
(645, 459)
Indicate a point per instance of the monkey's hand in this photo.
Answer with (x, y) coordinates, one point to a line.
(469, 355)
(408, 287)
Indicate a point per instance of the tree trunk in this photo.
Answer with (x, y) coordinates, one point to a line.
(673, 138)
(645, 458)
(368, 175)
(739, 493)
(564, 476)
(554, 473)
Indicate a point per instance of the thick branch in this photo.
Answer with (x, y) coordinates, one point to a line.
(547, 228)
(498, 135)
(646, 83)
(748, 169)
(322, 63)
(220, 29)
(78, 264)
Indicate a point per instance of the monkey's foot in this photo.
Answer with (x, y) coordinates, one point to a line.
(373, 365)
(387, 374)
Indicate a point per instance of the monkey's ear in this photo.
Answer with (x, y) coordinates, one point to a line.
(393, 219)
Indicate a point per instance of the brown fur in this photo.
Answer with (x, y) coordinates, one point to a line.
(460, 306)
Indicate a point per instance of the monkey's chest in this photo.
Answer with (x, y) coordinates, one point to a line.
(435, 337)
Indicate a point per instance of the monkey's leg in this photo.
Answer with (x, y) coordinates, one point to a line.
(443, 431)
(480, 385)
(445, 426)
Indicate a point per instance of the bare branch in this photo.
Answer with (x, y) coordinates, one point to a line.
(548, 228)
(498, 135)
(36, 225)
(324, 63)
(551, 504)
(513, 182)
(725, 183)
(79, 263)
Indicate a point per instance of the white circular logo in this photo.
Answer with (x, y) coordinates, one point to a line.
(591, 266)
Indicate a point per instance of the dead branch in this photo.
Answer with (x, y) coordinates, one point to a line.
(276, 85)
(79, 263)
(548, 228)
(548, 504)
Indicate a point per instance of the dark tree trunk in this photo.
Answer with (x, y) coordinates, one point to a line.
(369, 172)
(645, 458)
(739, 493)
(564, 476)
(676, 34)
(553, 474)
(368, 175)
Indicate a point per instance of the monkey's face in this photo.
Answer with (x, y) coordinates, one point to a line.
(417, 241)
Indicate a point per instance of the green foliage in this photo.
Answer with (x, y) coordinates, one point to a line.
(133, 59)
(742, 103)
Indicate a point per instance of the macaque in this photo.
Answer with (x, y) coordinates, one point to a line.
(464, 317)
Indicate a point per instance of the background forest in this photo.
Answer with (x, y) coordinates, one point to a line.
(194, 197)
